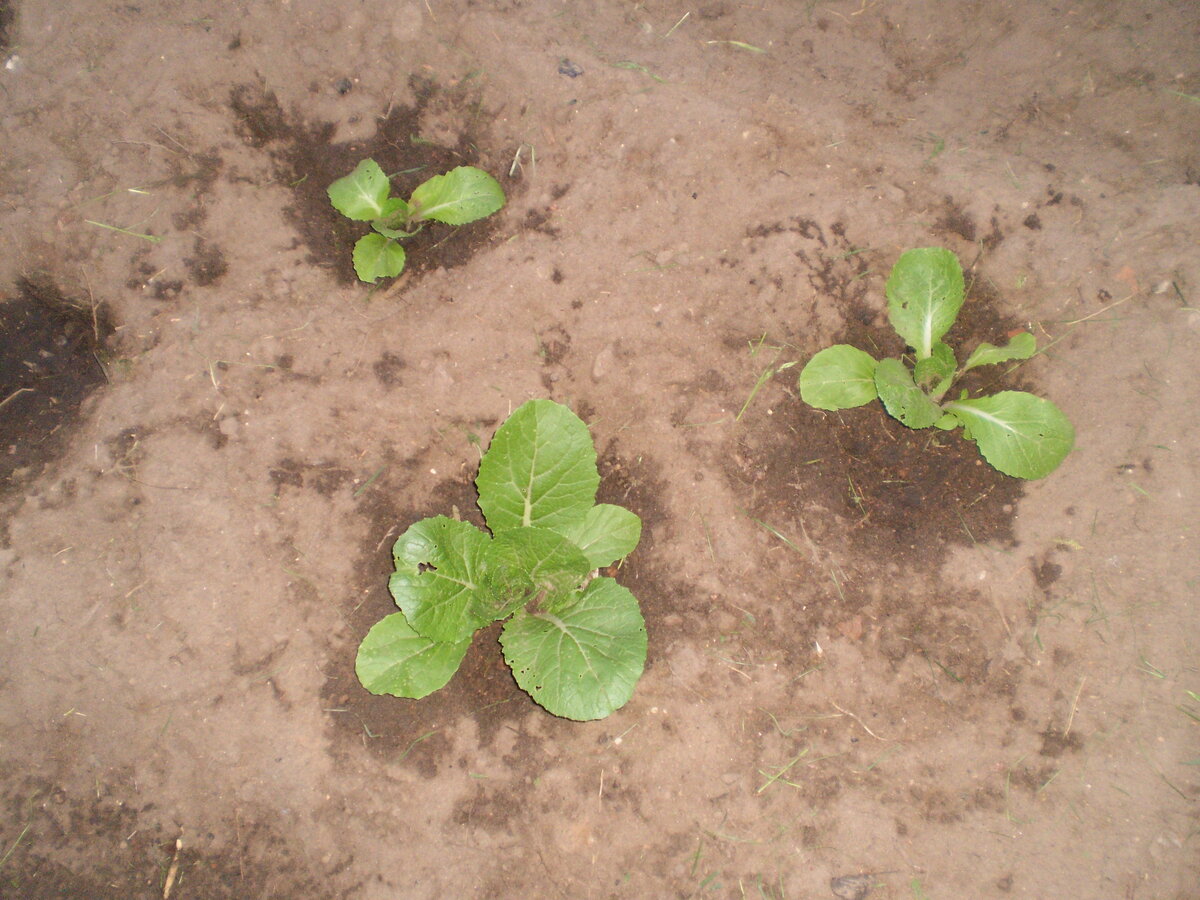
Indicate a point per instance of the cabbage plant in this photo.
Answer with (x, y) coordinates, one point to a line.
(1019, 433)
(574, 639)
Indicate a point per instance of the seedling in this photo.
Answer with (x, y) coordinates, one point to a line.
(1018, 433)
(460, 196)
(575, 642)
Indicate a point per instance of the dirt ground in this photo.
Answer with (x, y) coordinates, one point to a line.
(869, 653)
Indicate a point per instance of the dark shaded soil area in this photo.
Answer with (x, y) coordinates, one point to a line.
(308, 159)
(51, 358)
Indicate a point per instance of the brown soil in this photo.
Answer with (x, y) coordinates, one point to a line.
(875, 664)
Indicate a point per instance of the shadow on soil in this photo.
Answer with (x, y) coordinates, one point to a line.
(51, 351)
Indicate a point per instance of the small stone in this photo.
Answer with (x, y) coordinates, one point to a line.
(851, 887)
(604, 361)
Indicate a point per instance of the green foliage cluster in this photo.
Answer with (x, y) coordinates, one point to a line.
(1020, 434)
(576, 642)
(460, 196)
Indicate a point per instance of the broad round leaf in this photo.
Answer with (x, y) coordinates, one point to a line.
(375, 257)
(540, 469)
(439, 579)
(1018, 433)
(607, 533)
(580, 662)
(461, 195)
(394, 659)
(394, 208)
(924, 293)
(901, 396)
(527, 564)
(947, 422)
(363, 194)
(839, 377)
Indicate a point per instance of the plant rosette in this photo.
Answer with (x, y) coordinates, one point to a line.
(462, 195)
(575, 641)
(1018, 433)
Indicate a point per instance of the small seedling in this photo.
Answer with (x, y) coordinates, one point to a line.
(460, 196)
(575, 642)
(1018, 433)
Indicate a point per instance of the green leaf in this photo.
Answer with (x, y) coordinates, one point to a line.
(607, 533)
(529, 564)
(1022, 346)
(394, 219)
(363, 194)
(924, 291)
(375, 257)
(394, 659)
(461, 195)
(937, 368)
(582, 658)
(395, 209)
(441, 564)
(540, 469)
(394, 233)
(903, 399)
(1018, 433)
(948, 422)
(839, 377)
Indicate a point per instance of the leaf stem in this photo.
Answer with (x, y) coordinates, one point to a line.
(152, 238)
(771, 779)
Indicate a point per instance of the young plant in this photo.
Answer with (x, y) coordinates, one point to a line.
(460, 196)
(1018, 433)
(575, 642)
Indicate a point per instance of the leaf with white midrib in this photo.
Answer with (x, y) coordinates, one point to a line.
(460, 196)
(924, 293)
(394, 659)
(363, 194)
(440, 566)
(605, 534)
(1020, 434)
(838, 377)
(539, 470)
(582, 657)
(901, 396)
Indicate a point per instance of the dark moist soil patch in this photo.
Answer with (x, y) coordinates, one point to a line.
(50, 350)
(307, 159)
(133, 858)
(891, 491)
(888, 489)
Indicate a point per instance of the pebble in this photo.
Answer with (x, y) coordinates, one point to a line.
(604, 361)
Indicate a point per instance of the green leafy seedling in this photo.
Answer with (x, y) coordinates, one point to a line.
(575, 642)
(460, 196)
(1020, 434)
